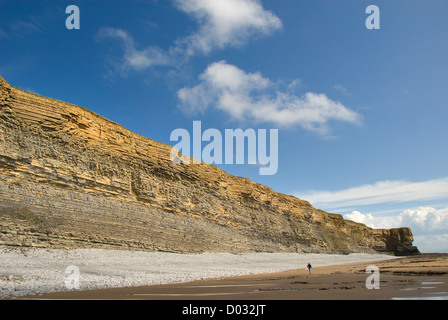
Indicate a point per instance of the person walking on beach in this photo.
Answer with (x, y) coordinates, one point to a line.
(309, 267)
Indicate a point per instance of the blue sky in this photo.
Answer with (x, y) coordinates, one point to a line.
(361, 113)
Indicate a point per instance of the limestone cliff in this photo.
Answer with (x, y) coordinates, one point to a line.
(71, 178)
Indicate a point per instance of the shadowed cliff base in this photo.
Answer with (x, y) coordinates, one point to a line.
(71, 178)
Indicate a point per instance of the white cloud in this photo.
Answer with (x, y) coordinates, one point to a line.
(221, 24)
(133, 57)
(380, 192)
(377, 222)
(296, 83)
(429, 225)
(426, 219)
(357, 216)
(250, 96)
(225, 23)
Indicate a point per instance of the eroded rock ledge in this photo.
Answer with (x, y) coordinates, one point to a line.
(71, 178)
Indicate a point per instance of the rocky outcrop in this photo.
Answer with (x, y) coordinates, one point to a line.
(71, 178)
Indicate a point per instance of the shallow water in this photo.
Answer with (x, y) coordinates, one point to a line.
(425, 295)
(441, 297)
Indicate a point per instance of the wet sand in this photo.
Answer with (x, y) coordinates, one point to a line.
(422, 277)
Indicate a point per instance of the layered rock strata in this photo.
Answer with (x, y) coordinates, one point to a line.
(71, 178)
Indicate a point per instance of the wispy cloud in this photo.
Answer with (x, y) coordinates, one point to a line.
(30, 24)
(250, 96)
(221, 24)
(134, 58)
(42, 18)
(342, 89)
(429, 225)
(26, 26)
(378, 193)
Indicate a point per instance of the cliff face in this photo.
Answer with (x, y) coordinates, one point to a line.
(71, 178)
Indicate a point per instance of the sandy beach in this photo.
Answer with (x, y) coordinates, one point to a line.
(423, 277)
(242, 277)
(37, 271)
